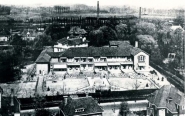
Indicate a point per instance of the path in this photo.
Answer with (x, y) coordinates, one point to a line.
(39, 86)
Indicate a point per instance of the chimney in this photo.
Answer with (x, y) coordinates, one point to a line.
(139, 12)
(1, 92)
(67, 37)
(12, 95)
(84, 39)
(65, 100)
(86, 94)
(98, 10)
(136, 44)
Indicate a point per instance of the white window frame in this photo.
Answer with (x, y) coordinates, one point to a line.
(141, 58)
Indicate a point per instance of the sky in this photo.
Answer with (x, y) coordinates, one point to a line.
(164, 4)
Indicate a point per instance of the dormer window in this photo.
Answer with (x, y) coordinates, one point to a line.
(169, 99)
(183, 107)
(80, 110)
(141, 58)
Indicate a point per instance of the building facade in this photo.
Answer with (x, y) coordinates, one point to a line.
(121, 59)
(168, 101)
(76, 38)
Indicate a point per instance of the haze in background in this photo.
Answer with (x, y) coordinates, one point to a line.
(163, 4)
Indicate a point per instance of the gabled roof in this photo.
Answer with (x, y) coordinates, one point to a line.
(174, 27)
(97, 51)
(87, 103)
(31, 32)
(136, 50)
(43, 57)
(119, 43)
(77, 30)
(160, 98)
(72, 41)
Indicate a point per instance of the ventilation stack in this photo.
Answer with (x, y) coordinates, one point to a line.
(98, 10)
(139, 12)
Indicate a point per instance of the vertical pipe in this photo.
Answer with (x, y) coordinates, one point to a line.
(98, 10)
(139, 12)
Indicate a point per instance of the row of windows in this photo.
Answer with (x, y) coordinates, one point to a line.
(141, 58)
(91, 59)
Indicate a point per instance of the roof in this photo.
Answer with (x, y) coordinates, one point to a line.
(160, 98)
(72, 41)
(46, 55)
(87, 103)
(101, 51)
(119, 43)
(77, 30)
(136, 50)
(96, 51)
(43, 57)
(174, 27)
(31, 32)
(4, 32)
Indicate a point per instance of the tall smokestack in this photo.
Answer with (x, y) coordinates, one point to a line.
(12, 95)
(139, 12)
(1, 92)
(98, 9)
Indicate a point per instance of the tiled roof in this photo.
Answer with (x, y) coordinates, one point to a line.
(160, 98)
(97, 51)
(77, 30)
(136, 50)
(72, 41)
(174, 27)
(119, 43)
(43, 57)
(88, 103)
(89, 52)
(31, 32)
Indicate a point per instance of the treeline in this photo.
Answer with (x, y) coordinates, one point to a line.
(4, 10)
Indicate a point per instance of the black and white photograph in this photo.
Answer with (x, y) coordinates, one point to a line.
(92, 58)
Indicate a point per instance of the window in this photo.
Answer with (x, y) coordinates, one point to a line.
(90, 60)
(83, 59)
(183, 107)
(141, 58)
(79, 110)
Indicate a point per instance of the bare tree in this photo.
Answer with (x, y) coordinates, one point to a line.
(136, 85)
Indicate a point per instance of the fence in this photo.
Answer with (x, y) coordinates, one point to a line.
(179, 83)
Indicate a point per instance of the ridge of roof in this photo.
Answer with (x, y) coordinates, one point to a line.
(163, 95)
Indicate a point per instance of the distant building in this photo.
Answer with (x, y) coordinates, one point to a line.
(175, 27)
(61, 9)
(77, 38)
(56, 105)
(119, 43)
(168, 101)
(80, 106)
(29, 34)
(4, 35)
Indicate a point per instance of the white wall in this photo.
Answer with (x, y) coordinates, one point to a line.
(42, 67)
(60, 47)
(146, 61)
(3, 39)
(17, 114)
(161, 112)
